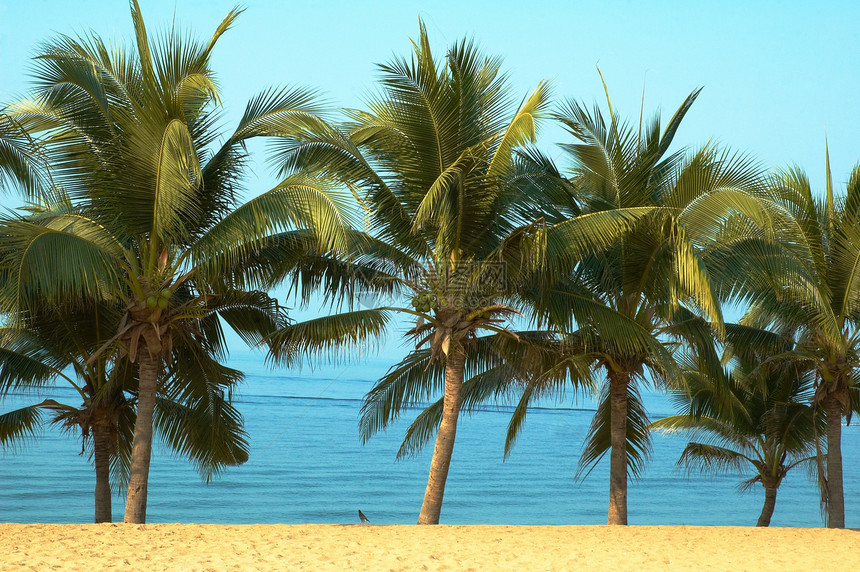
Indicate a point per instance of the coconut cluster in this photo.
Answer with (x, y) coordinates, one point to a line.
(424, 302)
(160, 300)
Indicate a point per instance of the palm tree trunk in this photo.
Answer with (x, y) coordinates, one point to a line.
(141, 451)
(767, 509)
(101, 453)
(618, 382)
(835, 493)
(432, 505)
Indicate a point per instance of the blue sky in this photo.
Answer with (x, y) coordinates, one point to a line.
(776, 75)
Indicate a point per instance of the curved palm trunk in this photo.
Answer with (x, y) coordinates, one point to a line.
(101, 454)
(767, 509)
(141, 452)
(618, 382)
(432, 505)
(835, 493)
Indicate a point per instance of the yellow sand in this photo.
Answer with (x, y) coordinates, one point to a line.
(337, 547)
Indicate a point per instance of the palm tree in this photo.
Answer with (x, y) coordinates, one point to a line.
(757, 418)
(627, 310)
(456, 210)
(805, 282)
(55, 340)
(148, 209)
(36, 354)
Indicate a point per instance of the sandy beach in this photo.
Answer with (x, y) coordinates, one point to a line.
(355, 547)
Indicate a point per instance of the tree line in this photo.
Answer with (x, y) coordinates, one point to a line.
(522, 277)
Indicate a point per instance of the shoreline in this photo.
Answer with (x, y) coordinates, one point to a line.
(413, 547)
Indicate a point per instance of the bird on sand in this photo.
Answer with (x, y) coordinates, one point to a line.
(362, 518)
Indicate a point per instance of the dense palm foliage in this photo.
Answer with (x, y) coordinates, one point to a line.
(55, 344)
(50, 346)
(804, 284)
(135, 250)
(428, 162)
(627, 310)
(758, 418)
(147, 213)
(457, 212)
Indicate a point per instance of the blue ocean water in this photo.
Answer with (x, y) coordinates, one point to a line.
(307, 465)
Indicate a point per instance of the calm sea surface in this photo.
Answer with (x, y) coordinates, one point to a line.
(307, 465)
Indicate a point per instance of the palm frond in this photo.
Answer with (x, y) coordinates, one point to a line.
(711, 459)
(18, 425)
(327, 334)
(209, 431)
(411, 382)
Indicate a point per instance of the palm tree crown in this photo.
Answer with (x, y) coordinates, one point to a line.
(623, 311)
(802, 283)
(757, 418)
(454, 218)
(147, 209)
(52, 341)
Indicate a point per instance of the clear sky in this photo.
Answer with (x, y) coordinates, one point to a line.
(776, 75)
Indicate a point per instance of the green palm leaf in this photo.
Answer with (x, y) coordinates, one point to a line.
(327, 334)
(17, 425)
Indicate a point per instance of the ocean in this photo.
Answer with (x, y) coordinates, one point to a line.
(307, 465)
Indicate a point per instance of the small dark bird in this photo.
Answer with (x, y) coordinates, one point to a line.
(362, 518)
